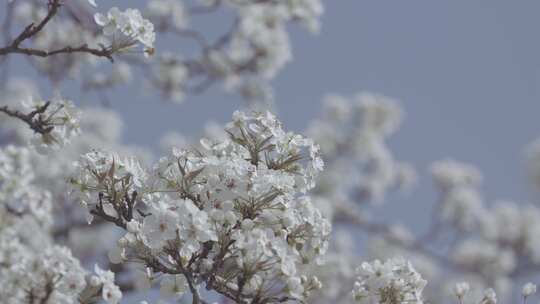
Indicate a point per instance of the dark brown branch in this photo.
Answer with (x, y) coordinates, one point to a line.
(100, 212)
(32, 119)
(49, 289)
(32, 30)
(104, 52)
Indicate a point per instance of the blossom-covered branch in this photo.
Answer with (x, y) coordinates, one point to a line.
(33, 29)
(245, 213)
(232, 216)
(104, 52)
(53, 123)
(130, 25)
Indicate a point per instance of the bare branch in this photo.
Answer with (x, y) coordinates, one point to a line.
(32, 29)
(104, 52)
(32, 119)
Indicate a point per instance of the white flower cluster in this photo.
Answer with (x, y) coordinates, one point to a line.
(262, 37)
(49, 274)
(59, 122)
(460, 200)
(59, 32)
(104, 281)
(258, 45)
(489, 296)
(337, 274)
(495, 243)
(245, 56)
(120, 74)
(353, 135)
(99, 128)
(32, 268)
(528, 290)
(307, 12)
(47, 125)
(170, 76)
(513, 227)
(108, 174)
(394, 281)
(29, 275)
(127, 28)
(167, 13)
(20, 199)
(233, 215)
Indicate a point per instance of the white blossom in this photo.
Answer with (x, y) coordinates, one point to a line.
(239, 201)
(393, 281)
(60, 121)
(528, 289)
(461, 289)
(490, 297)
(110, 292)
(127, 28)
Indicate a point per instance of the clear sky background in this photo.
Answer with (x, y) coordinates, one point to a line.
(467, 74)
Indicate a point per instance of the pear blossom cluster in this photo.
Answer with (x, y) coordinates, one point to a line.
(353, 135)
(245, 57)
(60, 120)
(18, 193)
(170, 75)
(495, 243)
(197, 197)
(338, 273)
(32, 268)
(243, 215)
(49, 274)
(248, 53)
(233, 215)
(498, 240)
(489, 296)
(260, 44)
(50, 124)
(59, 32)
(127, 28)
(165, 14)
(396, 281)
(99, 127)
(460, 200)
(391, 282)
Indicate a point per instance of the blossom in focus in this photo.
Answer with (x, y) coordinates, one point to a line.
(126, 29)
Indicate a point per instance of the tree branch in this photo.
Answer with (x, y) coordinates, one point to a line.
(104, 52)
(31, 119)
(31, 30)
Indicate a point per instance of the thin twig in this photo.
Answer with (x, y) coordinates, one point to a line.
(104, 52)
